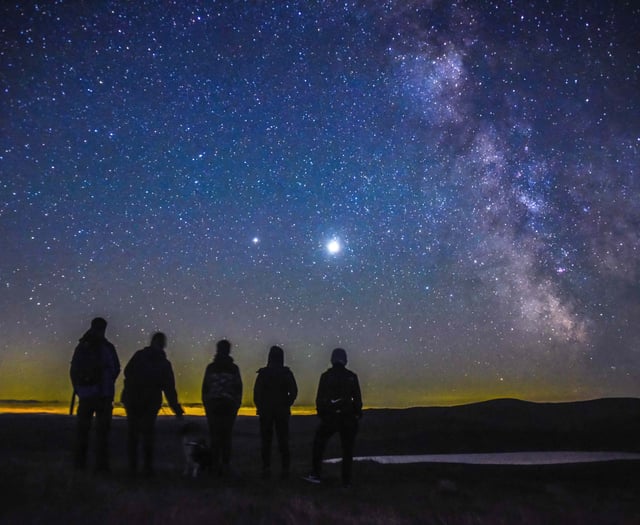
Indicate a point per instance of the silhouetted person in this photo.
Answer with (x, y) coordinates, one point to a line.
(274, 392)
(339, 405)
(221, 396)
(94, 369)
(147, 375)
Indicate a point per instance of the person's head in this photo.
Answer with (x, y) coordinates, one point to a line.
(158, 341)
(99, 326)
(276, 356)
(223, 348)
(339, 357)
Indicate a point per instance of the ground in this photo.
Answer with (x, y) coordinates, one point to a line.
(38, 485)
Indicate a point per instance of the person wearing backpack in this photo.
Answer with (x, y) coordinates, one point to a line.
(221, 397)
(94, 370)
(339, 406)
(147, 375)
(274, 392)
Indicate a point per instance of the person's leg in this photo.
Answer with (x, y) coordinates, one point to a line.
(228, 420)
(83, 427)
(133, 432)
(104, 409)
(323, 433)
(282, 434)
(266, 434)
(214, 441)
(221, 436)
(148, 424)
(348, 431)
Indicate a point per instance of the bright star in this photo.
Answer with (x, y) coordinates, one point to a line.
(255, 240)
(334, 246)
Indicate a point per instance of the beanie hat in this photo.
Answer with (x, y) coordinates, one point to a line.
(339, 357)
(159, 339)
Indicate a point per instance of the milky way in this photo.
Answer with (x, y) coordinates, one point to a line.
(448, 190)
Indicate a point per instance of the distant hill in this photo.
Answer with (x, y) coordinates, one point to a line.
(512, 425)
(499, 425)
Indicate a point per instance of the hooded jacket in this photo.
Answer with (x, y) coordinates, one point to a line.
(109, 367)
(275, 389)
(339, 393)
(147, 375)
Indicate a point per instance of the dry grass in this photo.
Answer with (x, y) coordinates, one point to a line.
(39, 487)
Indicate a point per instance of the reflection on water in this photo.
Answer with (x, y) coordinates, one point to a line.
(55, 407)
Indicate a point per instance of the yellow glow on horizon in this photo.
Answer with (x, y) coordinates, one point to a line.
(119, 411)
(197, 410)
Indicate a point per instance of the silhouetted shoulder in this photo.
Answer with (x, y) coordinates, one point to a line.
(224, 366)
(137, 356)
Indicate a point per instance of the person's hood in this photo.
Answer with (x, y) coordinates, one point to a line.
(276, 357)
(154, 353)
(90, 336)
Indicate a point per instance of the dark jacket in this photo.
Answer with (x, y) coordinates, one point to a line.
(147, 375)
(222, 383)
(109, 367)
(275, 389)
(339, 393)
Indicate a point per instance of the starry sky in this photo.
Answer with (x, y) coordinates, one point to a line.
(448, 190)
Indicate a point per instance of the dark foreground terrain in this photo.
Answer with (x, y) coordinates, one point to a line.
(38, 486)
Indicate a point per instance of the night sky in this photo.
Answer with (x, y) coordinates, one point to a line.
(450, 191)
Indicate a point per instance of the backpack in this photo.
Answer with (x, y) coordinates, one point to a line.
(220, 386)
(341, 399)
(86, 367)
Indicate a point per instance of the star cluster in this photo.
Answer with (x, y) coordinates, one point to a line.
(449, 190)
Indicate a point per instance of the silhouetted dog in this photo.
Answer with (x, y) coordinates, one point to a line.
(197, 453)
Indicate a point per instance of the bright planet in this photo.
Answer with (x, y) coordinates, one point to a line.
(334, 247)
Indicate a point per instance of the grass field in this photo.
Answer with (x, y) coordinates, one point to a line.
(38, 485)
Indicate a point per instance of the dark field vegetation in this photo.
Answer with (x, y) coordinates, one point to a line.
(38, 485)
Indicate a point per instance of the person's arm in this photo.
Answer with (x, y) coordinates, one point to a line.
(116, 363)
(357, 396)
(293, 388)
(72, 368)
(257, 391)
(205, 386)
(238, 387)
(126, 390)
(322, 397)
(169, 389)
(129, 366)
(110, 370)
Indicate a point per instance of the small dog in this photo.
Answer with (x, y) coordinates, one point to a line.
(197, 453)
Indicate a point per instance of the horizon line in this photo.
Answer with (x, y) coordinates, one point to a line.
(460, 402)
